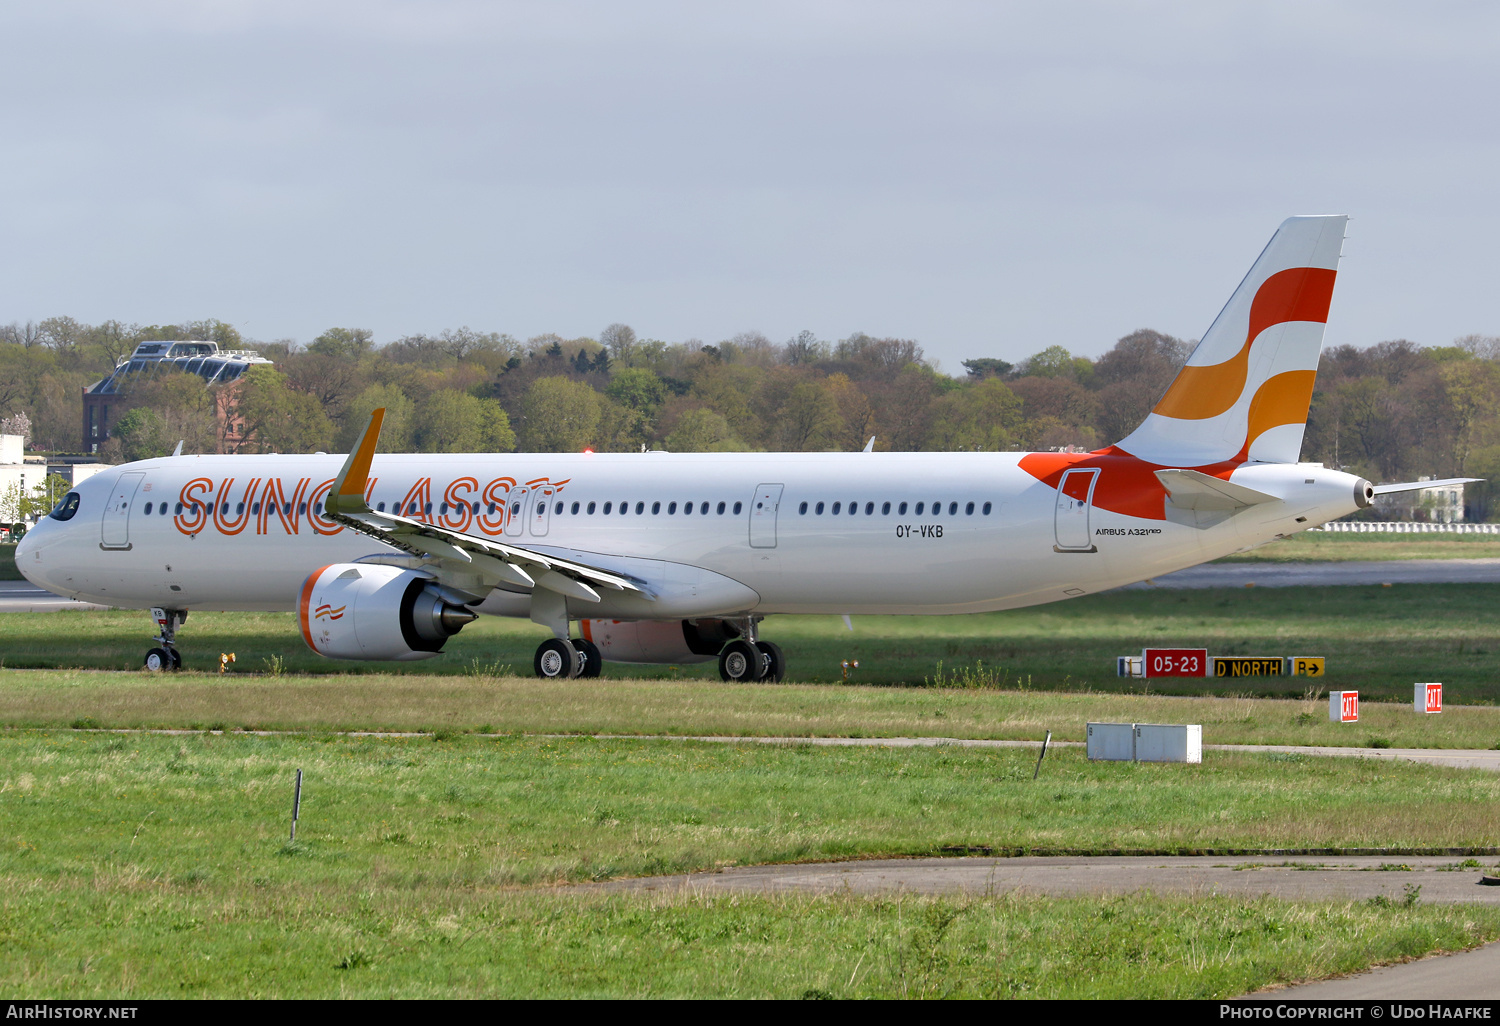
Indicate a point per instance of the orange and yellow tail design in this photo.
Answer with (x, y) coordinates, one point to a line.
(1245, 391)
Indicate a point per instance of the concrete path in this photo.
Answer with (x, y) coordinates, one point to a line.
(25, 597)
(1463, 758)
(1292, 575)
(1469, 976)
(1308, 878)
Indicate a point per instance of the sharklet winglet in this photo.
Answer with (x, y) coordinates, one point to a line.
(348, 493)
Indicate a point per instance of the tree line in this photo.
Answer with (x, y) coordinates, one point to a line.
(1391, 411)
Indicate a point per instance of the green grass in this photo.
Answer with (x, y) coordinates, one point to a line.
(1320, 547)
(8, 571)
(144, 865)
(1378, 641)
(61, 698)
(183, 940)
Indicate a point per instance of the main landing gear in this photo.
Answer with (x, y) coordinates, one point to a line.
(166, 657)
(577, 657)
(747, 659)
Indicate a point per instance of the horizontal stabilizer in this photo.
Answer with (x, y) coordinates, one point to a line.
(1190, 489)
(1413, 486)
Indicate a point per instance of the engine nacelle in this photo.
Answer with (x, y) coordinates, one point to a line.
(659, 641)
(367, 611)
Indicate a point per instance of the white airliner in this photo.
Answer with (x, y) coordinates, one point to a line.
(667, 557)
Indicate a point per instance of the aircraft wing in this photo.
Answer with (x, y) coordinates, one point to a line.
(1412, 486)
(457, 553)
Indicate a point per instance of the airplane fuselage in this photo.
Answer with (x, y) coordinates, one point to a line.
(716, 534)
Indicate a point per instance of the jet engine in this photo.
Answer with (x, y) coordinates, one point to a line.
(659, 641)
(367, 611)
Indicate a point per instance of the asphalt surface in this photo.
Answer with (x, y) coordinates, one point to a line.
(25, 597)
(1469, 976)
(1461, 758)
(1302, 878)
(1293, 575)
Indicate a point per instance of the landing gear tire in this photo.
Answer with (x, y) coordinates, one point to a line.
(741, 661)
(557, 659)
(159, 660)
(593, 661)
(774, 661)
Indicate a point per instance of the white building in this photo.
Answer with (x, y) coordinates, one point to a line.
(1431, 505)
(24, 473)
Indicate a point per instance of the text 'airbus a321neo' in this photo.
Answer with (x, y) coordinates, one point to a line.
(667, 557)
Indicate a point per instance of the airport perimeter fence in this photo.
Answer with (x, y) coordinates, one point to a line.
(1405, 527)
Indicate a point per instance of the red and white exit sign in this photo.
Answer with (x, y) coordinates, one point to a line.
(1427, 698)
(1343, 706)
(1175, 662)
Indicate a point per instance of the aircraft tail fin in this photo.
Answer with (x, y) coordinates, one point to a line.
(1245, 391)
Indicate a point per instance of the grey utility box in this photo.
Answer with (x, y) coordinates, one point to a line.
(1111, 742)
(1169, 742)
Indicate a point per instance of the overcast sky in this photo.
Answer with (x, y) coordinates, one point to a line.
(987, 178)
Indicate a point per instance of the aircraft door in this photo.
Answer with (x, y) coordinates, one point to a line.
(115, 532)
(763, 516)
(541, 509)
(519, 511)
(1075, 493)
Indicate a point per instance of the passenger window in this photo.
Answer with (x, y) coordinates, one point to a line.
(703, 510)
(818, 509)
(476, 509)
(986, 509)
(885, 509)
(655, 508)
(920, 505)
(969, 510)
(255, 508)
(301, 509)
(869, 509)
(443, 509)
(515, 509)
(428, 509)
(901, 509)
(737, 507)
(574, 510)
(607, 507)
(147, 510)
(591, 509)
(541, 508)
(953, 509)
(836, 506)
(721, 509)
(640, 508)
(802, 509)
(853, 508)
(239, 508)
(671, 507)
(286, 509)
(379, 507)
(179, 509)
(558, 509)
(492, 508)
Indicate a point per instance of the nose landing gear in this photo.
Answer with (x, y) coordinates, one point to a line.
(166, 658)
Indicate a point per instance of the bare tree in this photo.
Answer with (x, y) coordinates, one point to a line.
(619, 340)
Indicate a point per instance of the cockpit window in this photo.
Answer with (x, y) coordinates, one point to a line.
(66, 507)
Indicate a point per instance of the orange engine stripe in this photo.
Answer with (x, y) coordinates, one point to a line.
(307, 589)
(588, 635)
